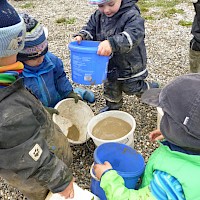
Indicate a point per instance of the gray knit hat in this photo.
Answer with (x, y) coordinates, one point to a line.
(12, 30)
(180, 102)
(36, 44)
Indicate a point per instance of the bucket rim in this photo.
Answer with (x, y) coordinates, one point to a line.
(75, 46)
(87, 137)
(107, 113)
(124, 174)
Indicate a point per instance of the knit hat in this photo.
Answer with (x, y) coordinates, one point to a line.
(12, 30)
(36, 44)
(180, 102)
(97, 2)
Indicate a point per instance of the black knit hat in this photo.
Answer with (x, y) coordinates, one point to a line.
(12, 30)
(8, 15)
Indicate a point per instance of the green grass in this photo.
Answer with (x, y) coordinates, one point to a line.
(28, 5)
(166, 8)
(159, 3)
(185, 23)
(64, 20)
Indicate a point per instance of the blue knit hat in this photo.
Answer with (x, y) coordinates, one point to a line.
(36, 44)
(12, 30)
(97, 2)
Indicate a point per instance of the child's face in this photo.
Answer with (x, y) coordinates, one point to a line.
(35, 62)
(110, 8)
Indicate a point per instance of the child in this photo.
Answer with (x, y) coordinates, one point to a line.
(172, 171)
(35, 155)
(194, 54)
(118, 24)
(43, 71)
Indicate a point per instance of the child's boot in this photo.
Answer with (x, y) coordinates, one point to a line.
(112, 106)
(148, 85)
(194, 58)
(86, 95)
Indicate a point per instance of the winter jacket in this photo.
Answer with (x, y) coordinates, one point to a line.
(48, 81)
(125, 32)
(195, 42)
(29, 142)
(184, 167)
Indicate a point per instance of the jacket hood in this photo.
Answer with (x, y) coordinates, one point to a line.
(125, 5)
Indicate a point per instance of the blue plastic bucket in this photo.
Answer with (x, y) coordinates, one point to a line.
(125, 160)
(87, 67)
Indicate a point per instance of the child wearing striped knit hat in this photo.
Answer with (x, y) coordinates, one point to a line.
(43, 71)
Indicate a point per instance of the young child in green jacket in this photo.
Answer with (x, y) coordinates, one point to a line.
(172, 171)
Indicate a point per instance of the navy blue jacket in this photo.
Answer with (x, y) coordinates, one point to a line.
(195, 42)
(48, 81)
(125, 32)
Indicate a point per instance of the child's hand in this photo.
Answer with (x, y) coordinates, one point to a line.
(99, 169)
(104, 48)
(156, 135)
(69, 191)
(78, 39)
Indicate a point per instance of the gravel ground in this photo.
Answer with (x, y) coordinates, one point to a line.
(167, 49)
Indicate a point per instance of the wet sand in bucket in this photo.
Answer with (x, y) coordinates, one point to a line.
(111, 128)
(68, 128)
(73, 133)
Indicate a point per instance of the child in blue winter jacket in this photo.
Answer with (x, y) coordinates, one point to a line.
(43, 71)
(120, 27)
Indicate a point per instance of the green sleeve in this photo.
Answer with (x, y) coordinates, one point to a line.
(114, 188)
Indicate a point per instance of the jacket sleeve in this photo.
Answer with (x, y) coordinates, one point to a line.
(131, 36)
(62, 83)
(114, 188)
(88, 32)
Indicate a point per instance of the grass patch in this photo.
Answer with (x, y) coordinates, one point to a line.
(28, 5)
(185, 23)
(172, 11)
(149, 17)
(166, 8)
(159, 3)
(64, 20)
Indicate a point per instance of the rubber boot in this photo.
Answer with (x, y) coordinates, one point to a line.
(148, 85)
(194, 58)
(112, 106)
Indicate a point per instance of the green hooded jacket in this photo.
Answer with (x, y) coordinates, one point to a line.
(184, 167)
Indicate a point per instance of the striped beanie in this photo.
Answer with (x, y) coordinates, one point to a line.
(36, 44)
(97, 2)
(12, 30)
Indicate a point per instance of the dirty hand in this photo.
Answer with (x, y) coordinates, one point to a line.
(74, 96)
(51, 110)
(156, 135)
(68, 193)
(104, 48)
(78, 39)
(99, 169)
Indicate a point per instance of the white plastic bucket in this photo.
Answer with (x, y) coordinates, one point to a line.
(71, 113)
(127, 139)
(159, 116)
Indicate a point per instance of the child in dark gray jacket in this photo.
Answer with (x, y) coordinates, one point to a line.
(118, 24)
(35, 155)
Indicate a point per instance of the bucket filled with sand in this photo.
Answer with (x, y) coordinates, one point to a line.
(112, 126)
